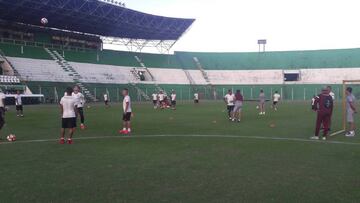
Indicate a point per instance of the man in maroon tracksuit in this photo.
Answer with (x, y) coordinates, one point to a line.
(323, 105)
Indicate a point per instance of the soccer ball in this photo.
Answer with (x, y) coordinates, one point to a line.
(11, 138)
(44, 21)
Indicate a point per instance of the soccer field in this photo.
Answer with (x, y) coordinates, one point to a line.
(193, 154)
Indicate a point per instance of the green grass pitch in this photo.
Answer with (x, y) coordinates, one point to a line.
(193, 154)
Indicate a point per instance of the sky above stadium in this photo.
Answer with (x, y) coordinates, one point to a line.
(236, 25)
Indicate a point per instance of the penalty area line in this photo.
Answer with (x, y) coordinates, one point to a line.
(190, 136)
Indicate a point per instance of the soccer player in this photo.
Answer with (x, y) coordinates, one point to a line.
(313, 106)
(161, 99)
(196, 98)
(229, 101)
(350, 111)
(80, 102)
(276, 99)
(68, 114)
(166, 101)
(18, 104)
(239, 99)
(173, 100)
(2, 109)
(331, 93)
(155, 100)
(262, 100)
(106, 100)
(323, 105)
(126, 113)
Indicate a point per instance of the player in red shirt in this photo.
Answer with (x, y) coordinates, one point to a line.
(323, 104)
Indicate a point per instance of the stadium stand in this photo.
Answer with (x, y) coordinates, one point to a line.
(273, 60)
(32, 69)
(39, 70)
(47, 60)
(97, 73)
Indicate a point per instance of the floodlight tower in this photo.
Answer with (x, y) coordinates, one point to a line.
(262, 43)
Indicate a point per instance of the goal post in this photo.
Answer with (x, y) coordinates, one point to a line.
(355, 84)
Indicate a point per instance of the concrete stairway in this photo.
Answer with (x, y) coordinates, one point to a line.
(60, 60)
(206, 77)
(157, 87)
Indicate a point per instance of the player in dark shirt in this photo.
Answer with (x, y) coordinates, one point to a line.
(323, 104)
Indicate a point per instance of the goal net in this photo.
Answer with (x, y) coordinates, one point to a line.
(355, 85)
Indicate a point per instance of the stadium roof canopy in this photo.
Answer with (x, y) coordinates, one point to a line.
(94, 17)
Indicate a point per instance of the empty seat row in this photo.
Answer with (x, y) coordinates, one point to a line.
(9, 79)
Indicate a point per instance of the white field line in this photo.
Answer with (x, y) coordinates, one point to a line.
(337, 133)
(189, 136)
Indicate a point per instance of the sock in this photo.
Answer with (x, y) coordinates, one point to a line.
(129, 129)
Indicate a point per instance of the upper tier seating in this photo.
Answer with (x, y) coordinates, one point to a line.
(108, 57)
(339, 58)
(27, 52)
(39, 70)
(49, 70)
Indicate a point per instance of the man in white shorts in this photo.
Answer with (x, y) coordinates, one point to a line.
(155, 100)
(127, 112)
(68, 115)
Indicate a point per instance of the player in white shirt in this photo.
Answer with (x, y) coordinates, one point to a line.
(196, 98)
(276, 99)
(19, 105)
(229, 101)
(350, 112)
(2, 109)
(161, 99)
(127, 112)
(331, 93)
(68, 115)
(155, 100)
(106, 100)
(262, 100)
(80, 102)
(173, 100)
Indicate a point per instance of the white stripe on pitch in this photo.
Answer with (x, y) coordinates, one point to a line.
(205, 136)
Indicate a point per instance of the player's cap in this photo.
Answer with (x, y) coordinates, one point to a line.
(325, 88)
